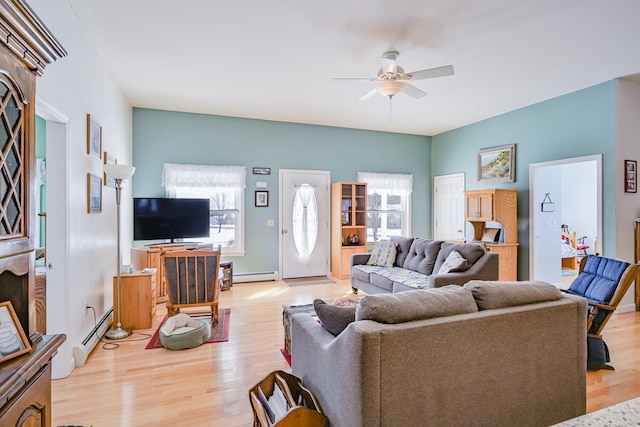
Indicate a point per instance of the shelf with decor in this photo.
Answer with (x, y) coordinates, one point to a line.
(500, 206)
(348, 225)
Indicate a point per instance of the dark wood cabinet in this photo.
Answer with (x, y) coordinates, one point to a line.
(26, 47)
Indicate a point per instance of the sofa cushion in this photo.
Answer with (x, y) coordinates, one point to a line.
(363, 271)
(469, 251)
(410, 278)
(383, 254)
(489, 294)
(416, 304)
(334, 318)
(454, 262)
(422, 255)
(403, 244)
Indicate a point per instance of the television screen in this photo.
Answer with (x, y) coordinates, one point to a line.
(163, 218)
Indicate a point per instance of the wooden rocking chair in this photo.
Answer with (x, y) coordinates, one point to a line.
(192, 281)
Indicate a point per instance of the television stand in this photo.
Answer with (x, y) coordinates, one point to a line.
(153, 257)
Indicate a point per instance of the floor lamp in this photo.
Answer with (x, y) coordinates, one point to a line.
(119, 173)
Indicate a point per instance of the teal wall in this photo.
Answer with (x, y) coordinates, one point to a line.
(41, 153)
(175, 137)
(578, 124)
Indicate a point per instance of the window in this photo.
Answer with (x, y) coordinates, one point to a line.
(388, 204)
(224, 187)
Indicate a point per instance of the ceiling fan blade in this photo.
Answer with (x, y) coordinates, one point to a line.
(430, 73)
(368, 94)
(413, 91)
(388, 65)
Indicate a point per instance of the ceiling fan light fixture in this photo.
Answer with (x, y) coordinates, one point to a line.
(390, 89)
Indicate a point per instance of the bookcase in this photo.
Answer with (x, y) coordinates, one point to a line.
(348, 225)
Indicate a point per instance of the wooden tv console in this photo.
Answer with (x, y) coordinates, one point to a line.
(153, 257)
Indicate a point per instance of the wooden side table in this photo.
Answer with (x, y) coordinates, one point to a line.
(137, 300)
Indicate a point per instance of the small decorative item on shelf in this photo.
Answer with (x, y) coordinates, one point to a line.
(353, 239)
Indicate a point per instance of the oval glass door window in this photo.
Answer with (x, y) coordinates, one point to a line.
(305, 220)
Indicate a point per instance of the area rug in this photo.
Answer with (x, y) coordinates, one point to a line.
(286, 355)
(219, 331)
(304, 281)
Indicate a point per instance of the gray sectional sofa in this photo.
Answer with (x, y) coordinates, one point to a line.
(483, 354)
(417, 265)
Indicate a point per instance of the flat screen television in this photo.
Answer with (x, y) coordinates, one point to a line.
(164, 218)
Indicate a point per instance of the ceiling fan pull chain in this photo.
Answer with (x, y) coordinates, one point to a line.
(390, 107)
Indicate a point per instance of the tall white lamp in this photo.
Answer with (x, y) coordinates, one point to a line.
(119, 173)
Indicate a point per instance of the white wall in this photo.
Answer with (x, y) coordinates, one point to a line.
(545, 259)
(81, 247)
(580, 200)
(627, 148)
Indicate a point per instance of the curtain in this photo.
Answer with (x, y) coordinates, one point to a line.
(386, 181)
(202, 176)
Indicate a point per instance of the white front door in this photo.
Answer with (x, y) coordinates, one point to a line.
(449, 207)
(304, 223)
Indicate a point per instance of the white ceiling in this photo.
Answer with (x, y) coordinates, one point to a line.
(275, 60)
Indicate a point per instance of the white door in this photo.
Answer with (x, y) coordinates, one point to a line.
(304, 223)
(449, 207)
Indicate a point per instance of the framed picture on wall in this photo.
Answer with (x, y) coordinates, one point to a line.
(262, 199)
(497, 164)
(13, 341)
(94, 137)
(94, 193)
(630, 176)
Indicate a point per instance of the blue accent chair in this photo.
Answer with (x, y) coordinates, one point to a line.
(603, 282)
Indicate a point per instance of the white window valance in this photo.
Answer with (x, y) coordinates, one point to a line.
(202, 176)
(386, 181)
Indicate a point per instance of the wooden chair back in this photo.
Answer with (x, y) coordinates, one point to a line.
(192, 281)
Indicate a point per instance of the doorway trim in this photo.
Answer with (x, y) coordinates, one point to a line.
(534, 169)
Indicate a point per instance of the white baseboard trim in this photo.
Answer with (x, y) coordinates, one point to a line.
(255, 277)
(626, 308)
(81, 352)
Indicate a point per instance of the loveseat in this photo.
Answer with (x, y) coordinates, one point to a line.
(406, 263)
(485, 354)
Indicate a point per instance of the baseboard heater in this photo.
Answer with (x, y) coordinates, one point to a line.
(81, 352)
(255, 277)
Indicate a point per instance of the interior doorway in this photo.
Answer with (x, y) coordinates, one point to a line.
(574, 189)
(304, 223)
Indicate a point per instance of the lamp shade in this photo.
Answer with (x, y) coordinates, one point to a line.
(116, 171)
(390, 88)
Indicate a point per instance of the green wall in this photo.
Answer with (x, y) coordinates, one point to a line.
(578, 124)
(175, 137)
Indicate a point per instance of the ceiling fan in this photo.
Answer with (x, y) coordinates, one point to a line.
(392, 79)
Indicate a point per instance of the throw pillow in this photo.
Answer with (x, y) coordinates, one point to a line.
(490, 294)
(454, 262)
(334, 318)
(383, 254)
(416, 305)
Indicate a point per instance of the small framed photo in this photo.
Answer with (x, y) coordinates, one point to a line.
(94, 193)
(630, 176)
(262, 199)
(497, 164)
(262, 171)
(13, 341)
(109, 160)
(94, 137)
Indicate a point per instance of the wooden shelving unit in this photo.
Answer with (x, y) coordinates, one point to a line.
(496, 205)
(348, 217)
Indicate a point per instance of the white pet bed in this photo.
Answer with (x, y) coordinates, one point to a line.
(180, 332)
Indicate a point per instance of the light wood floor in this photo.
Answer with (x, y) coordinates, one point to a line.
(208, 385)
